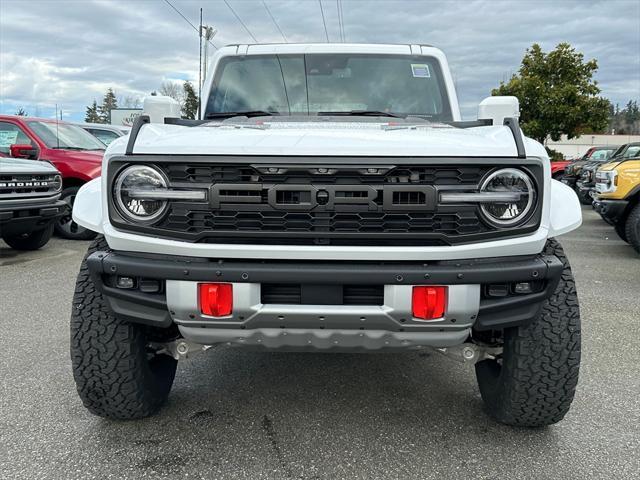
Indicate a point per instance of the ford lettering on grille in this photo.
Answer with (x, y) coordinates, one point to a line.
(326, 198)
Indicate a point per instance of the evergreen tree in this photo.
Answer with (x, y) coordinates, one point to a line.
(92, 115)
(109, 102)
(190, 106)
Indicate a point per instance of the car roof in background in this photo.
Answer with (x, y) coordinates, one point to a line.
(33, 119)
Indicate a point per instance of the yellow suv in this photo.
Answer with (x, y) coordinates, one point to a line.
(617, 198)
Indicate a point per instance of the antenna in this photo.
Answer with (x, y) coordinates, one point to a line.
(323, 21)
(57, 133)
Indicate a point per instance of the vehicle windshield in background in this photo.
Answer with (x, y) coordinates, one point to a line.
(105, 136)
(631, 152)
(312, 83)
(601, 154)
(65, 136)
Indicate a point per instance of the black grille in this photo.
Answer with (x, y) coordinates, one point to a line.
(377, 203)
(182, 218)
(292, 294)
(297, 203)
(432, 175)
(28, 185)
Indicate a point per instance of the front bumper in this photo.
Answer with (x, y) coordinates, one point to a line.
(612, 211)
(389, 324)
(26, 217)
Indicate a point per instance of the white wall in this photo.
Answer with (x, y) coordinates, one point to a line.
(576, 147)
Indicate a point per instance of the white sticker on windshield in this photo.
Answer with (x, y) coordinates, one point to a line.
(8, 138)
(420, 70)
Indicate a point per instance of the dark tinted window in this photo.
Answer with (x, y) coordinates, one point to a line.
(307, 84)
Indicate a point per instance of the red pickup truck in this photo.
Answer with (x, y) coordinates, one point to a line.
(558, 167)
(74, 152)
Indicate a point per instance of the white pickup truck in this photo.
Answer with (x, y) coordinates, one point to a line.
(330, 199)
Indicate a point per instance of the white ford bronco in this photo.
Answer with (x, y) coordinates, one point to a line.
(330, 199)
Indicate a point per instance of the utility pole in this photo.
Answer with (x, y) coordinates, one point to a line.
(200, 66)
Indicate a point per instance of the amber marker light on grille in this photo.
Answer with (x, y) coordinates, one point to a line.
(216, 299)
(429, 302)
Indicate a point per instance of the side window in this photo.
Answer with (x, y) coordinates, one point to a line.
(11, 134)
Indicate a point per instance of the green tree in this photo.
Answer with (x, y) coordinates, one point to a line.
(21, 112)
(92, 115)
(109, 102)
(190, 105)
(627, 120)
(557, 94)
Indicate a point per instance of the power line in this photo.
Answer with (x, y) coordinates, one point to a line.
(187, 20)
(344, 35)
(323, 21)
(241, 22)
(274, 21)
(339, 20)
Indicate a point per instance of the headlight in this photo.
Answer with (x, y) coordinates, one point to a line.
(56, 183)
(138, 193)
(607, 181)
(514, 210)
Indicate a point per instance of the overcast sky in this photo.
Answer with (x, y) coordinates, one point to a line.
(70, 52)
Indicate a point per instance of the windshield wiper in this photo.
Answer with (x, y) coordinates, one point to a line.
(361, 113)
(62, 147)
(249, 113)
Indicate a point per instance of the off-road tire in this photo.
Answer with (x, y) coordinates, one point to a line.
(65, 226)
(30, 241)
(632, 228)
(116, 375)
(534, 382)
(621, 230)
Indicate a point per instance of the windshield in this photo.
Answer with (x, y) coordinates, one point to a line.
(632, 151)
(312, 83)
(105, 136)
(65, 136)
(601, 154)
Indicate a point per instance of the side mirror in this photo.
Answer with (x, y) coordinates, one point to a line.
(159, 107)
(497, 109)
(18, 150)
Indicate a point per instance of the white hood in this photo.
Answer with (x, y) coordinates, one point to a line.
(327, 139)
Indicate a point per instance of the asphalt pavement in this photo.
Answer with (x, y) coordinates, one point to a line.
(238, 414)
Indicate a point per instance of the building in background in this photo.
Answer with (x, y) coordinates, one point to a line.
(576, 147)
(124, 116)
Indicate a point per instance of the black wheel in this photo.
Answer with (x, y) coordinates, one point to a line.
(66, 227)
(117, 373)
(30, 241)
(621, 230)
(632, 228)
(533, 383)
(584, 197)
